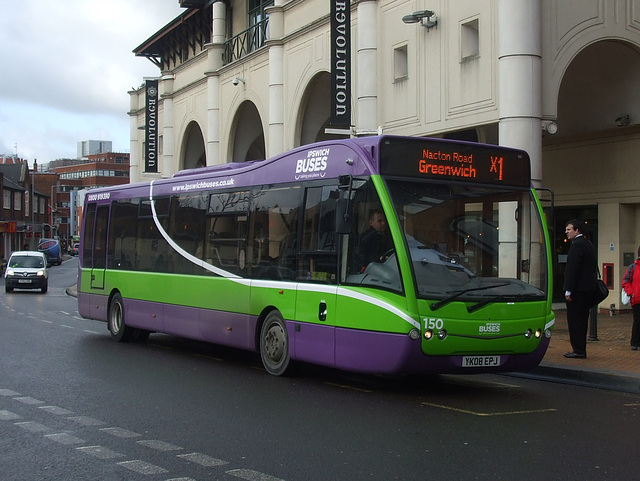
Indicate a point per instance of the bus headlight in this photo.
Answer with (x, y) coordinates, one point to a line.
(538, 333)
(528, 334)
(414, 334)
(428, 334)
(442, 334)
(547, 333)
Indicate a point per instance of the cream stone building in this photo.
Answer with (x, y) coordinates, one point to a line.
(247, 79)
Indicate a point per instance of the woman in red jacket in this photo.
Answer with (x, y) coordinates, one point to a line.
(631, 285)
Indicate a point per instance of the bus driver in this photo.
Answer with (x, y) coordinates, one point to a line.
(374, 242)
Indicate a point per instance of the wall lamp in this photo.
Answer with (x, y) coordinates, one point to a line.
(237, 80)
(623, 120)
(549, 126)
(427, 18)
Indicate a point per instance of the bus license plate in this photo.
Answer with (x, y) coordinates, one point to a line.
(480, 361)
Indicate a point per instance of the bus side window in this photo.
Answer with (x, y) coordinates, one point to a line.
(186, 227)
(273, 232)
(318, 254)
(100, 239)
(87, 244)
(122, 234)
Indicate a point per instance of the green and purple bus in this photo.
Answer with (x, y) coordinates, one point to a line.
(379, 254)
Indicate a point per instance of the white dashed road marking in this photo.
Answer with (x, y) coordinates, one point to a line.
(251, 475)
(64, 438)
(142, 467)
(8, 416)
(203, 459)
(159, 445)
(121, 433)
(104, 453)
(100, 452)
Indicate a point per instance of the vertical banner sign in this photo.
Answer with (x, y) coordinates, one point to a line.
(340, 63)
(151, 128)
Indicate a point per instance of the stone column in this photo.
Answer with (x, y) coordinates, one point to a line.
(215, 51)
(275, 138)
(520, 78)
(367, 69)
(167, 168)
(134, 136)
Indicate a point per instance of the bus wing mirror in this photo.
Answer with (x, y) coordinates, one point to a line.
(343, 216)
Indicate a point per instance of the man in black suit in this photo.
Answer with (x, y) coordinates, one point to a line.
(579, 287)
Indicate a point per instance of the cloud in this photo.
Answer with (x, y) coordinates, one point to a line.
(67, 68)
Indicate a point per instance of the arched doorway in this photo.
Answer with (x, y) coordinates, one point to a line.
(315, 114)
(193, 148)
(248, 138)
(599, 86)
(586, 163)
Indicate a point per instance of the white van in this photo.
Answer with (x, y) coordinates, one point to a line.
(26, 270)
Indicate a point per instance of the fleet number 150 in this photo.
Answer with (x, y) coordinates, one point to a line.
(433, 323)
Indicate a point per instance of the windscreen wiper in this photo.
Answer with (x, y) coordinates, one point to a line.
(491, 300)
(437, 305)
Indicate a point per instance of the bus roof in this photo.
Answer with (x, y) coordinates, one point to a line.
(416, 157)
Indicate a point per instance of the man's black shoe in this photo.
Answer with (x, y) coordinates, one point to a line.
(575, 355)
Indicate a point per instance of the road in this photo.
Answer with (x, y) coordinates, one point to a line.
(75, 405)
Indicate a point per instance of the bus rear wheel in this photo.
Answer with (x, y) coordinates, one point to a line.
(117, 327)
(274, 344)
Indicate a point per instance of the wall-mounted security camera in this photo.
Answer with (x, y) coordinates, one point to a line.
(237, 80)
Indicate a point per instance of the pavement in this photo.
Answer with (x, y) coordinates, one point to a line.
(610, 362)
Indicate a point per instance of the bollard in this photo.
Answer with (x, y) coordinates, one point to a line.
(612, 310)
(593, 324)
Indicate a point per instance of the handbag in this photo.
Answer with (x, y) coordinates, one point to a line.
(601, 292)
(625, 298)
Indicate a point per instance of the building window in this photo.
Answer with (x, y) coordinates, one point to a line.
(469, 40)
(17, 201)
(6, 200)
(400, 63)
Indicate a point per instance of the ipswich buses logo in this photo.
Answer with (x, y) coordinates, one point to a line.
(490, 328)
(314, 166)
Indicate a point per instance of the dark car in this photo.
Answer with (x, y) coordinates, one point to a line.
(26, 270)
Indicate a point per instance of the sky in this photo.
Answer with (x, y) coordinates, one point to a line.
(65, 69)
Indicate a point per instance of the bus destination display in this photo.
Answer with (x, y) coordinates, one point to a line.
(445, 161)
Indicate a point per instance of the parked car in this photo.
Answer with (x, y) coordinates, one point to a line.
(51, 249)
(26, 270)
(73, 250)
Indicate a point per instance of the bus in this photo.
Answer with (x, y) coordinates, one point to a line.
(382, 254)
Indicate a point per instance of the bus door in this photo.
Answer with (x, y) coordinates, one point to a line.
(99, 247)
(317, 275)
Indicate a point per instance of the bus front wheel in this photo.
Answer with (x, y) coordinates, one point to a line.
(274, 344)
(117, 327)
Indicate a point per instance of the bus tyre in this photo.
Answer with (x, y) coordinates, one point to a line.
(117, 327)
(274, 344)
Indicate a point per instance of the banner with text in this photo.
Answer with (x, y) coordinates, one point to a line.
(151, 127)
(340, 63)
